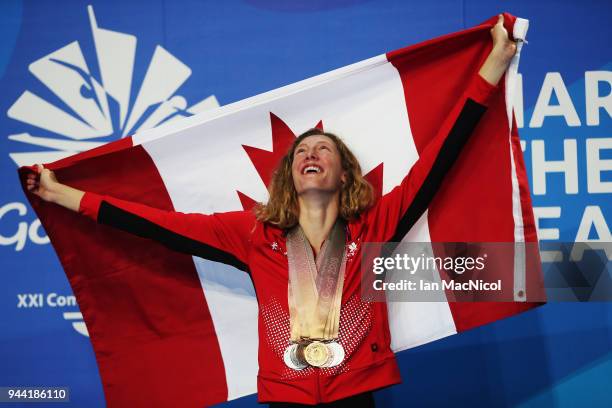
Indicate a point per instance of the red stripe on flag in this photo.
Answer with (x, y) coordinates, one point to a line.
(155, 342)
(474, 203)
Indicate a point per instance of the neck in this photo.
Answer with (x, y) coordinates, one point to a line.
(318, 214)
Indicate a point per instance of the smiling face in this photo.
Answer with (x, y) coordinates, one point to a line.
(317, 166)
(321, 163)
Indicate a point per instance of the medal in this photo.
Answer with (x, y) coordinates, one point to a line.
(317, 354)
(291, 358)
(337, 352)
(314, 297)
(314, 354)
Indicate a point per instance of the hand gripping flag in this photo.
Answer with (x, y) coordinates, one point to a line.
(172, 329)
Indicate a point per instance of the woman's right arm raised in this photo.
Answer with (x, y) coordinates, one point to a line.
(221, 237)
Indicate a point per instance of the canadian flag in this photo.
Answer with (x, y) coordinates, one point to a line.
(170, 329)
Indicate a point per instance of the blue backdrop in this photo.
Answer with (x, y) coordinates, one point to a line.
(557, 355)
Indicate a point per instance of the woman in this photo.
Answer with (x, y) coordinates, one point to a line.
(319, 342)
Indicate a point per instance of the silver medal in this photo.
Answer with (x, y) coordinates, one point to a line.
(337, 352)
(290, 358)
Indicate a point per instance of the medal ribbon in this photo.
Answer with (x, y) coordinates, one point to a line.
(315, 287)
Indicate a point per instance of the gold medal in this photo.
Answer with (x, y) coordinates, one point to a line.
(317, 354)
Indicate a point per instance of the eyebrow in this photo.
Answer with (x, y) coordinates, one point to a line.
(319, 142)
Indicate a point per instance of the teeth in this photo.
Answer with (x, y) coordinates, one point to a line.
(315, 168)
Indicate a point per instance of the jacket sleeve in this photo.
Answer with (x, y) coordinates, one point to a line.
(397, 211)
(221, 237)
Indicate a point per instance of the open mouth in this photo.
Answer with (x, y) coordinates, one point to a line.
(311, 170)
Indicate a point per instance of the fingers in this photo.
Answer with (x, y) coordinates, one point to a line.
(32, 179)
(34, 176)
(38, 168)
(498, 24)
(31, 182)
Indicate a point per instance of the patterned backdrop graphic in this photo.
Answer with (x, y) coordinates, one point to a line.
(77, 74)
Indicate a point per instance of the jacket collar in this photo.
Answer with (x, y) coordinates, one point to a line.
(274, 233)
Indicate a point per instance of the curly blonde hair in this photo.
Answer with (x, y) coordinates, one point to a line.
(282, 209)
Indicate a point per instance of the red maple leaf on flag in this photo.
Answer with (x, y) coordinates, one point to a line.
(265, 161)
